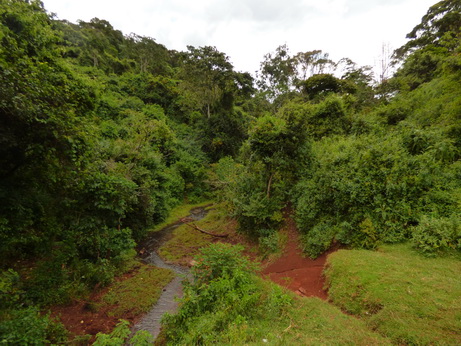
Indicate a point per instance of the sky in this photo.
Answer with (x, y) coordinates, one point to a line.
(246, 30)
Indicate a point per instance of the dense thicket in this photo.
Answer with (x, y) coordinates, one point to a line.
(362, 164)
(102, 133)
(394, 173)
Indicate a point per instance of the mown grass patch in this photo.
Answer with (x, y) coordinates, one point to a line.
(399, 293)
(177, 213)
(187, 241)
(137, 294)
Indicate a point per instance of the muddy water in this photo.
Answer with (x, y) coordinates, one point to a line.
(167, 302)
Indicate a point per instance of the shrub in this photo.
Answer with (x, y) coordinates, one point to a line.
(368, 189)
(254, 209)
(436, 235)
(29, 327)
(318, 239)
(10, 292)
(219, 260)
(223, 298)
(268, 241)
(119, 336)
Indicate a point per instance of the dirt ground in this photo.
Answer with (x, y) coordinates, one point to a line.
(85, 317)
(297, 273)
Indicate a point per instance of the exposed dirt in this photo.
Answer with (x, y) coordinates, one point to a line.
(292, 270)
(84, 317)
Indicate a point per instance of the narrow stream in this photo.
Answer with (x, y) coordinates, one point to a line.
(166, 303)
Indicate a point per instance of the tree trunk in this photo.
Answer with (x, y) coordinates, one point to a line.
(269, 183)
(203, 231)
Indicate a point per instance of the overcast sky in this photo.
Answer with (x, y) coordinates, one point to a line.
(248, 29)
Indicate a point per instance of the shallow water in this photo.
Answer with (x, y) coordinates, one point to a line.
(167, 301)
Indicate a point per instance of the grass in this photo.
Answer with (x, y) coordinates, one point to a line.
(177, 213)
(186, 241)
(399, 293)
(312, 321)
(138, 293)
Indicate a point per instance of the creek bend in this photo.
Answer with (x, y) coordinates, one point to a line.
(167, 302)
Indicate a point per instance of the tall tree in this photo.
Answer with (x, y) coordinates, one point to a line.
(312, 63)
(439, 26)
(208, 78)
(150, 56)
(277, 72)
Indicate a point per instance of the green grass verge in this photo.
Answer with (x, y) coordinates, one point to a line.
(186, 241)
(177, 213)
(312, 321)
(407, 297)
(138, 293)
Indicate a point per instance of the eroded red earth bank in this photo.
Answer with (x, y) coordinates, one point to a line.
(297, 273)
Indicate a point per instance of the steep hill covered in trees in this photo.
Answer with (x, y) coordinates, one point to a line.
(101, 134)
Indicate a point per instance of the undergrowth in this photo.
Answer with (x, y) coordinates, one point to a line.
(177, 213)
(187, 241)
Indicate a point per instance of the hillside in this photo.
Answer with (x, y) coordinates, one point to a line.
(103, 134)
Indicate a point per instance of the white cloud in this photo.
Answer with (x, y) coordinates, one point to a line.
(247, 29)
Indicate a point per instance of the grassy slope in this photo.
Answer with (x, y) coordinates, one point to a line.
(399, 293)
(308, 321)
(312, 321)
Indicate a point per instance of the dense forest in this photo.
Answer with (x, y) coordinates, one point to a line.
(102, 134)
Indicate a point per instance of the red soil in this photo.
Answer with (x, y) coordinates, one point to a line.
(297, 273)
(82, 318)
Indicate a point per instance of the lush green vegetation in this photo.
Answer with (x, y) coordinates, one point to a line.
(179, 212)
(122, 335)
(227, 304)
(409, 298)
(103, 134)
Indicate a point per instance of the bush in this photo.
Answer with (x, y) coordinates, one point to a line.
(254, 209)
(368, 189)
(119, 336)
(268, 241)
(437, 235)
(220, 260)
(49, 282)
(318, 239)
(222, 300)
(29, 327)
(10, 292)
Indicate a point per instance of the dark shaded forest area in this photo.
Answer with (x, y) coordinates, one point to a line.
(102, 134)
